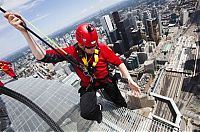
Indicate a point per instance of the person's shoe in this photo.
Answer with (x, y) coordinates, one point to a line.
(100, 116)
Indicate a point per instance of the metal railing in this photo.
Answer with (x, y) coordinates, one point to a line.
(123, 119)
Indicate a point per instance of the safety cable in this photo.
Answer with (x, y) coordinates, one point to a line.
(42, 34)
(21, 98)
(67, 56)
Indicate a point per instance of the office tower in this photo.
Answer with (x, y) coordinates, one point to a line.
(123, 29)
(113, 36)
(107, 25)
(184, 17)
(139, 14)
(132, 16)
(160, 24)
(146, 15)
(116, 18)
(154, 12)
(149, 65)
(133, 61)
(136, 37)
(142, 56)
(153, 30)
(119, 47)
(139, 25)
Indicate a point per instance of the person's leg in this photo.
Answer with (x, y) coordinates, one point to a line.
(115, 95)
(89, 108)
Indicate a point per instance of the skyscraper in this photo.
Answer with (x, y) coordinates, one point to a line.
(136, 36)
(107, 25)
(113, 35)
(153, 30)
(118, 47)
(160, 24)
(184, 17)
(154, 12)
(123, 29)
(146, 15)
(116, 18)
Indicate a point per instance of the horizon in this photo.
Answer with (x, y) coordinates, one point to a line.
(45, 19)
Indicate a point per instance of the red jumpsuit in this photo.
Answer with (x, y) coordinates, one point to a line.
(4, 66)
(102, 79)
(106, 55)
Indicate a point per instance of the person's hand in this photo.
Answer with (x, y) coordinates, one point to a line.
(134, 87)
(15, 20)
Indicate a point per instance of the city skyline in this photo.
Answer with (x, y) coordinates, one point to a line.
(47, 16)
(157, 42)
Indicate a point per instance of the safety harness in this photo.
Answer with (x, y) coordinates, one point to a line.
(90, 68)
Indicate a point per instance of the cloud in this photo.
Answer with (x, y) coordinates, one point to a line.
(87, 10)
(91, 7)
(20, 4)
(38, 17)
(30, 5)
(101, 1)
(12, 4)
(84, 11)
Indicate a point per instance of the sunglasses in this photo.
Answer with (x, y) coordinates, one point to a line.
(90, 47)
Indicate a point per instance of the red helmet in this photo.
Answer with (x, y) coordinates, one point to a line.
(86, 35)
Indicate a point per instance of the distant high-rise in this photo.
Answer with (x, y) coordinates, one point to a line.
(116, 18)
(123, 29)
(136, 37)
(160, 24)
(139, 14)
(184, 17)
(107, 25)
(142, 56)
(113, 35)
(132, 16)
(133, 61)
(118, 47)
(154, 12)
(139, 25)
(146, 15)
(152, 28)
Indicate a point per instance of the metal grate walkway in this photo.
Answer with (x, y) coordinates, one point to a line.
(123, 119)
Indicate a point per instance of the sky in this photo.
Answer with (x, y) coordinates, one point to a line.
(47, 15)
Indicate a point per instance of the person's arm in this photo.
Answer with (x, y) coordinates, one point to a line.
(133, 86)
(115, 60)
(16, 21)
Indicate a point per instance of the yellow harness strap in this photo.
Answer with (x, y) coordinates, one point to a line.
(96, 58)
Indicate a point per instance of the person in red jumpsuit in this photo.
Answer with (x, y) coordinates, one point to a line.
(4, 66)
(95, 57)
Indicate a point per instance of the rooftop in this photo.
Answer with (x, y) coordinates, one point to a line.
(61, 102)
